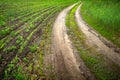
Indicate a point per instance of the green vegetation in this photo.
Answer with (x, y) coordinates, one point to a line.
(10, 48)
(18, 74)
(94, 61)
(5, 31)
(33, 48)
(104, 17)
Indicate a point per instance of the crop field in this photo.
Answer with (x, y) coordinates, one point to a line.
(23, 24)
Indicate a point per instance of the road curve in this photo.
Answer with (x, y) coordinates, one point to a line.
(68, 65)
(94, 39)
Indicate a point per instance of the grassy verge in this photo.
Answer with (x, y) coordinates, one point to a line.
(94, 61)
(104, 17)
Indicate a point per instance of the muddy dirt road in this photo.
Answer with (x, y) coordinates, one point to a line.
(68, 66)
(96, 41)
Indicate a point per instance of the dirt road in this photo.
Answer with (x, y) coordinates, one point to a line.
(96, 41)
(67, 63)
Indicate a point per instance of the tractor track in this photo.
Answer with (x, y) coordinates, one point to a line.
(68, 65)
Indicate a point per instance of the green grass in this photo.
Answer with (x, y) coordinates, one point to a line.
(103, 16)
(93, 60)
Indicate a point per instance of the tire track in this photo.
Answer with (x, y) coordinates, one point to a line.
(94, 40)
(66, 65)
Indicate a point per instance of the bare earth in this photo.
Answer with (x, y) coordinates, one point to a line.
(68, 65)
(94, 40)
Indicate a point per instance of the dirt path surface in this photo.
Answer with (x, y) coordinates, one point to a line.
(68, 66)
(96, 41)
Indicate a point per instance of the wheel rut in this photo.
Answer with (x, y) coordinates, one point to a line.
(67, 64)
